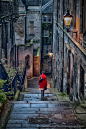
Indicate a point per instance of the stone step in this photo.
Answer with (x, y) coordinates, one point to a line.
(51, 102)
(32, 113)
(41, 126)
(37, 95)
(42, 105)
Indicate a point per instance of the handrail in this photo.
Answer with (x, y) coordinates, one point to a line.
(72, 39)
(14, 80)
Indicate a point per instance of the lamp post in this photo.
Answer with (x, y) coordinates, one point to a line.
(67, 18)
(50, 55)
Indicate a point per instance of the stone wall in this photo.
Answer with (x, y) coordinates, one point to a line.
(70, 63)
(0, 43)
(20, 30)
(35, 17)
(8, 14)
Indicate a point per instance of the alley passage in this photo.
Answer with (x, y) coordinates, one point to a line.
(32, 113)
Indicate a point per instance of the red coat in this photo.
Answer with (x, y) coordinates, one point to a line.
(44, 82)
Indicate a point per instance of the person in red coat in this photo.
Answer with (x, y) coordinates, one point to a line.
(42, 83)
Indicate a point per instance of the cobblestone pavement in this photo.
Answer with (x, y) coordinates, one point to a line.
(32, 113)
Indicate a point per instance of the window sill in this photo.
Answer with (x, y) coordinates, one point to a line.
(31, 34)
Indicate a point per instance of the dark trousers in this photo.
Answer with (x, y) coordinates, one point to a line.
(42, 93)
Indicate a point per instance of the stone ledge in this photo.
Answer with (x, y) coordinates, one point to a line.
(17, 95)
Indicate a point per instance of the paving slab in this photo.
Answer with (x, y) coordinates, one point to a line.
(17, 121)
(38, 95)
(39, 105)
(21, 105)
(22, 128)
(22, 116)
(24, 112)
(14, 126)
(24, 109)
(57, 105)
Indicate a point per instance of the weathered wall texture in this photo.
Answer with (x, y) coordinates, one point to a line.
(20, 30)
(35, 17)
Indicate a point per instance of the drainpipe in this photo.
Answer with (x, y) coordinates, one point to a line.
(25, 22)
(63, 53)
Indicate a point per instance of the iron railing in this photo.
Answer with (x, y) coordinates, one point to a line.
(15, 83)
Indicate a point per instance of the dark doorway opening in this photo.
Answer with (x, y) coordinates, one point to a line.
(27, 58)
(81, 82)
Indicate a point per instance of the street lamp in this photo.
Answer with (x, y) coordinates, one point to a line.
(50, 54)
(67, 18)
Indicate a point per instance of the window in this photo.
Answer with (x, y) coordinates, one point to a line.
(46, 33)
(44, 18)
(47, 18)
(31, 27)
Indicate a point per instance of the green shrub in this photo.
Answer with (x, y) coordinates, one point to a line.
(2, 97)
(1, 84)
(9, 93)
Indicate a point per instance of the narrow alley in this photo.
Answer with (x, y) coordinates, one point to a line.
(43, 40)
(32, 113)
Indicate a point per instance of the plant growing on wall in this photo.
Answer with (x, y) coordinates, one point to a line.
(2, 83)
(2, 95)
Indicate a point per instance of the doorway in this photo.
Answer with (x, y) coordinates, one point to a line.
(27, 58)
(81, 82)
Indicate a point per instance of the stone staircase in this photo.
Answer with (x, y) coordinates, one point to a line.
(32, 113)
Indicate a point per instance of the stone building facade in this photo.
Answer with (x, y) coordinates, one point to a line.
(28, 37)
(17, 43)
(8, 15)
(69, 48)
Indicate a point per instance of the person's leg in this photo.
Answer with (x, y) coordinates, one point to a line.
(42, 94)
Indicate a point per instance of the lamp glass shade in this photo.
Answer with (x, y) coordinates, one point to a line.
(67, 21)
(50, 54)
(67, 18)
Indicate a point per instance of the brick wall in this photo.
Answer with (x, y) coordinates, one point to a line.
(22, 53)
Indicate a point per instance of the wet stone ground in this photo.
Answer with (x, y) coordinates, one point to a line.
(32, 113)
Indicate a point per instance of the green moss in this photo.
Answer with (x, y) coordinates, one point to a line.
(62, 97)
(28, 45)
(62, 94)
